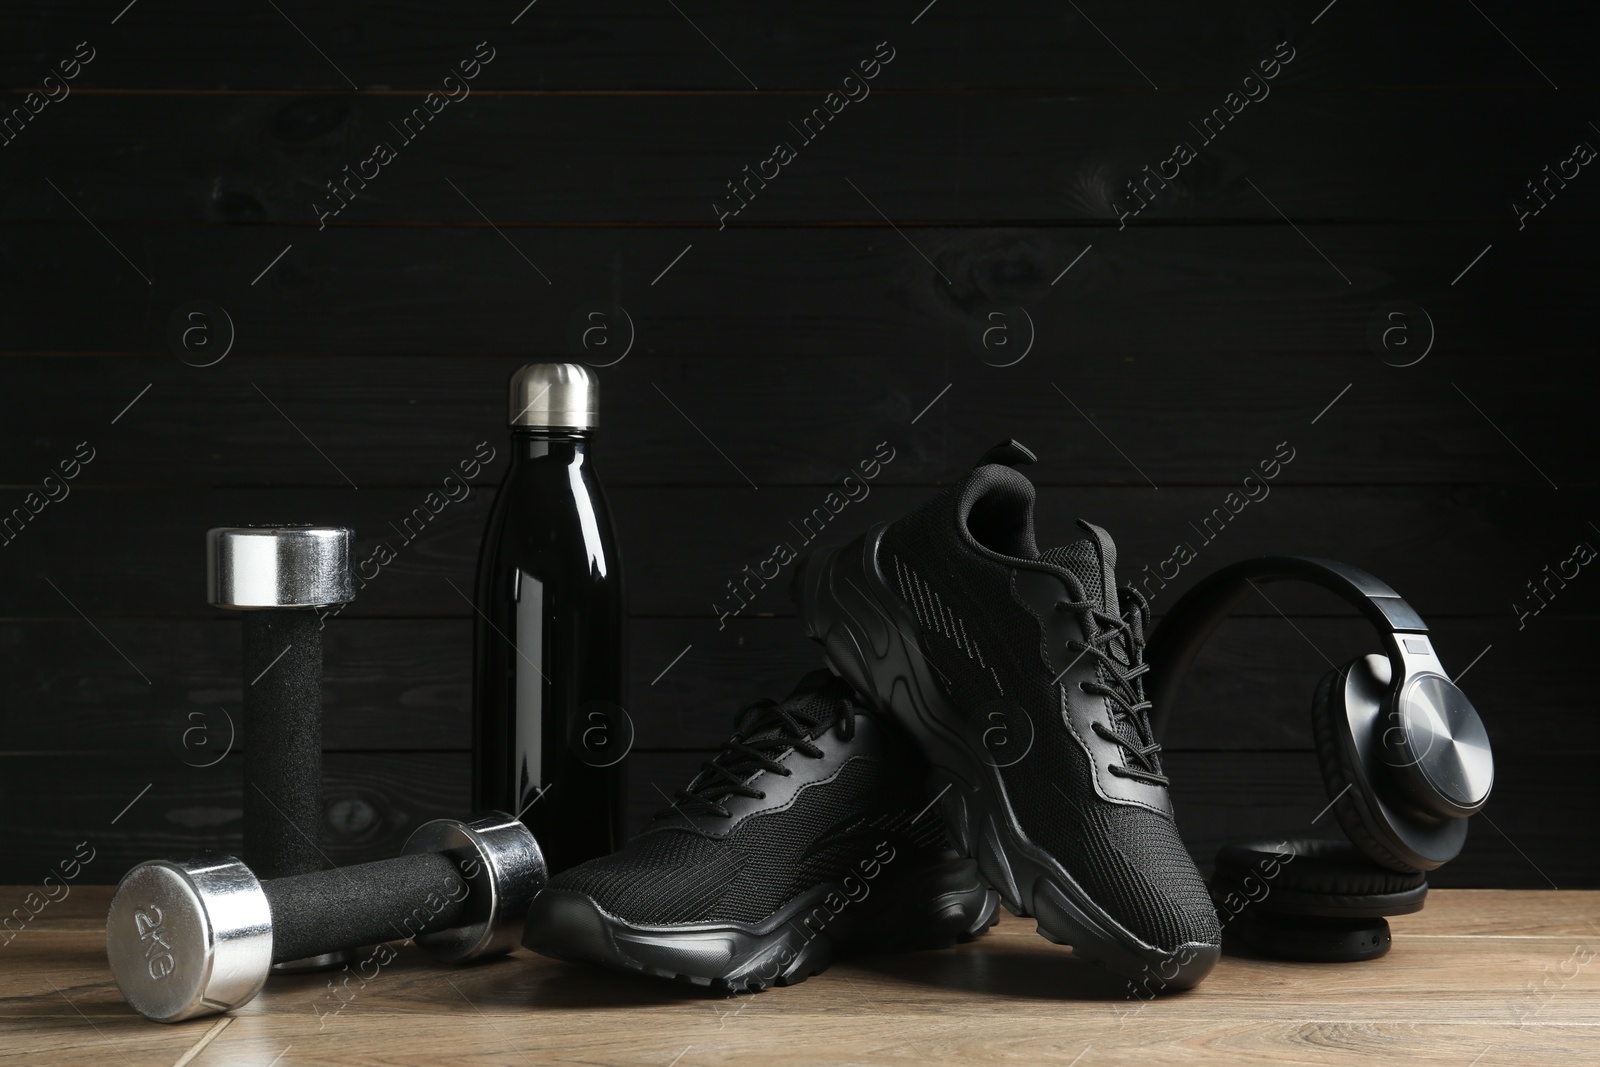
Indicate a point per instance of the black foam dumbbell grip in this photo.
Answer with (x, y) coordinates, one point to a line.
(282, 741)
(346, 907)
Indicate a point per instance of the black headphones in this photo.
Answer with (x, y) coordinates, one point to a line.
(1404, 756)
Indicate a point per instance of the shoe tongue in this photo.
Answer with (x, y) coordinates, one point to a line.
(1093, 562)
(815, 705)
(818, 697)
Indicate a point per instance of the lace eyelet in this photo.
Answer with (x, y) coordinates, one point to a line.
(761, 795)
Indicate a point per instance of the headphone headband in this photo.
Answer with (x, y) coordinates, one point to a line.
(1186, 627)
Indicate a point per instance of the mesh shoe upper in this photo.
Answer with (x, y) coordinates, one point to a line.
(956, 563)
(699, 863)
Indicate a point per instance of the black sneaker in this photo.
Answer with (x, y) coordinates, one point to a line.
(1018, 673)
(807, 838)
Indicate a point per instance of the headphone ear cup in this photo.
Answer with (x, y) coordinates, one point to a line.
(1314, 901)
(1326, 703)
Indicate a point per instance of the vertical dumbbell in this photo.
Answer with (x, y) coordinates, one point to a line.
(199, 936)
(279, 577)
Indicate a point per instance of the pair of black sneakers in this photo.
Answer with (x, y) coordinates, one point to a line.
(986, 735)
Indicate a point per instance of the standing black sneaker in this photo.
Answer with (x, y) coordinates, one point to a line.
(1019, 674)
(807, 838)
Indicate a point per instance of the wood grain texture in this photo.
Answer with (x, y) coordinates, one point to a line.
(1456, 986)
(621, 46)
(1236, 312)
(774, 293)
(1319, 155)
(411, 420)
(684, 545)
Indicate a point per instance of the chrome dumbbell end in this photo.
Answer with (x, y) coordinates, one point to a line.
(254, 567)
(189, 937)
(503, 868)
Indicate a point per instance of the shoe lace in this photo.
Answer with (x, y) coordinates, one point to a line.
(1125, 692)
(726, 774)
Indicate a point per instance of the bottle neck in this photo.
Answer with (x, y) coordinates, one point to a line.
(543, 443)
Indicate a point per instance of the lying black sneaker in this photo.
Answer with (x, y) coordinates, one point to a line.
(806, 839)
(1018, 673)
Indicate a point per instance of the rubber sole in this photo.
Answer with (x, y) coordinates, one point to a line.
(871, 638)
(934, 907)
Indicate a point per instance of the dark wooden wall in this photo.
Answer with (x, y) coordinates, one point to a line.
(1171, 358)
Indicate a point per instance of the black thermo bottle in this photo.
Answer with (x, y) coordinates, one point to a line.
(550, 728)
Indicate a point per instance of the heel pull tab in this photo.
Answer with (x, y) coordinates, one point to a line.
(1011, 453)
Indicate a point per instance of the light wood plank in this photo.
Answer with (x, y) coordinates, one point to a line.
(1479, 977)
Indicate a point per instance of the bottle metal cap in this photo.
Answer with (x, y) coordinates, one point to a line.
(555, 396)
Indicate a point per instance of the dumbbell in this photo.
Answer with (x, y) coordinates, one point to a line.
(278, 577)
(199, 936)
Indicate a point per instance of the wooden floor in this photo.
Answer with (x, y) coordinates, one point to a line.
(1480, 979)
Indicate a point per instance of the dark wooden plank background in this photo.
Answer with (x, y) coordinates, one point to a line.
(1173, 355)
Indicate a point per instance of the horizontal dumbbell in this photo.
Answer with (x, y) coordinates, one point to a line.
(199, 936)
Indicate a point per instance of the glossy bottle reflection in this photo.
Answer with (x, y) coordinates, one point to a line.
(550, 730)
